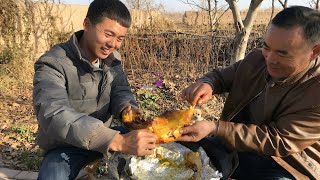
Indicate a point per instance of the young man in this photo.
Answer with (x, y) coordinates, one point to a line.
(271, 117)
(79, 86)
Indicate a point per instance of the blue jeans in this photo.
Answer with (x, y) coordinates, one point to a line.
(66, 163)
(253, 166)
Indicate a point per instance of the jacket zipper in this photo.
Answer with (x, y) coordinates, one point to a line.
(232, 171)
(248, 102)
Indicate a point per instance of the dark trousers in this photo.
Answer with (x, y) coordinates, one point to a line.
(253, 166)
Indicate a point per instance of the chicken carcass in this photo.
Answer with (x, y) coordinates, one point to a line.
(166, 126)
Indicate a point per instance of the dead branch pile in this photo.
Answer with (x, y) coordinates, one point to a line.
(186, 53)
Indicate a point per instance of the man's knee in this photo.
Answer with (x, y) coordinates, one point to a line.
(55, 166)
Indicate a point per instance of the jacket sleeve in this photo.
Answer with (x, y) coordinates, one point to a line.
(221, 80)
(289, 134)
(121, 95)
(56, 118)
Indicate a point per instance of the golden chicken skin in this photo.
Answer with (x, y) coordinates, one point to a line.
(166, 126)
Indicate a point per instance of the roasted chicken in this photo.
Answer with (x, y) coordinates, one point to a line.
(166, 126)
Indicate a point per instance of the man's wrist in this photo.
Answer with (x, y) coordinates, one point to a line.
(206, 82)
(215, 128)
(116, 143)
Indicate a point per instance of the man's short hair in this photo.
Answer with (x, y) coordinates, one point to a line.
(112, 9)
(307, 18)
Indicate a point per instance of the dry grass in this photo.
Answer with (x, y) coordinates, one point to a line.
(16, 78)
(152, 53)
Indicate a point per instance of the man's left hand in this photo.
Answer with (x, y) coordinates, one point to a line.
(132, 110)
(197, 131)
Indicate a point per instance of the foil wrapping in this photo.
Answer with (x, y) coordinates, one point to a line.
(171, 161)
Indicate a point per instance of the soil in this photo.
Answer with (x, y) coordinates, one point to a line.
(18, 125)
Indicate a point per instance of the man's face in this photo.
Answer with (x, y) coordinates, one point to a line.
(103, 38)
(286, 51)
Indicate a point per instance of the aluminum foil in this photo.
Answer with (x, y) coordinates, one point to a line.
(172, 161)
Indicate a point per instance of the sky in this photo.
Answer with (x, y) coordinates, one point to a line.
(178, 6)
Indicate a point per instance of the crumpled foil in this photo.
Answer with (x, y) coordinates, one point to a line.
(169, 162)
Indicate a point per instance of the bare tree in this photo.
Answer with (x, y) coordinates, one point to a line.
(315, 4)
(144, 5)
(243, 27)
(212, 16)
(284, 3)
(272, 12)
(209, 6)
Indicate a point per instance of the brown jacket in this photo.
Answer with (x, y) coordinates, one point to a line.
(291, 130)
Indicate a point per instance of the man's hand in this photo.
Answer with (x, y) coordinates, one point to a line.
(197, 93)
(198, 130)
(132, 110)
(137, 142)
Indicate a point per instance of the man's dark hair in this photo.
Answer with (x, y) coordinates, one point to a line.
(112, 9)
(306, 18)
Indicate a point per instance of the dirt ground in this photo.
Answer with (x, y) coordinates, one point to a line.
(18, 125)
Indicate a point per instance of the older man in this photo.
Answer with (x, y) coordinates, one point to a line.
(271, 117)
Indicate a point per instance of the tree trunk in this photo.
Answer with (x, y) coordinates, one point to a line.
(138, 4)
(210, 17)
(272, 12)
(243, 28)
(212, 13)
